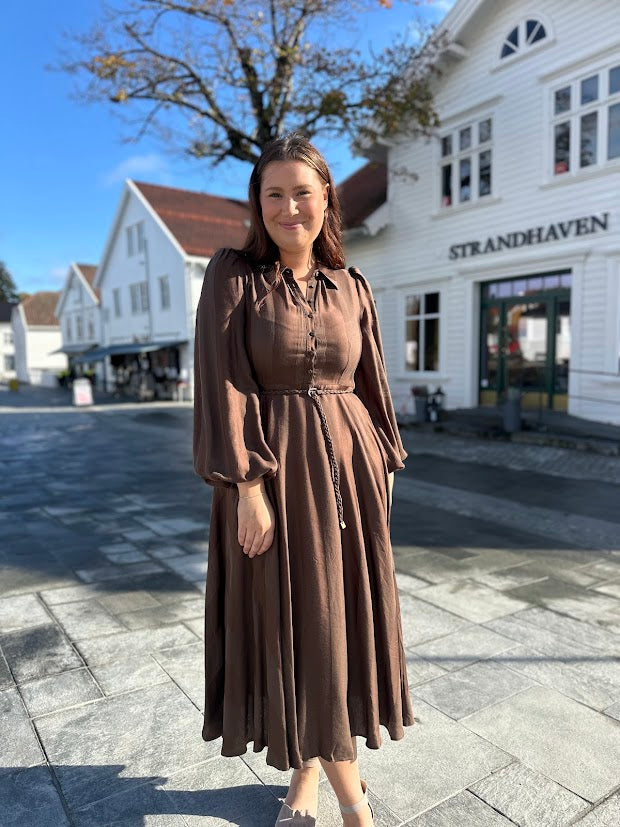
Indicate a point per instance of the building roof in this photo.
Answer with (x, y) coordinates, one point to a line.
(362, 193)
(6, 308)
(39, 308)
(89, 271)
(200, 223)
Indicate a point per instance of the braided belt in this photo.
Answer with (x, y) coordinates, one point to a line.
(314, 393)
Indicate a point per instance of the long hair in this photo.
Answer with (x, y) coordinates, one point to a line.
(327, 247)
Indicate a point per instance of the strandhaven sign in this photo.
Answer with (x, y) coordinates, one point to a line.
(536, 235)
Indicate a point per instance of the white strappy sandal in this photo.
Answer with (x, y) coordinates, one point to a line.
(363, 802)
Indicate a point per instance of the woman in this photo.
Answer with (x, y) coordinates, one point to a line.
(294, 427)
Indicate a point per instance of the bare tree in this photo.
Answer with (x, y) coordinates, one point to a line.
(219, 79)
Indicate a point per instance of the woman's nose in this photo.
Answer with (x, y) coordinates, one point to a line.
(289, 206)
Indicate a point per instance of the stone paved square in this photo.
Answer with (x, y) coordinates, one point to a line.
(511, 629)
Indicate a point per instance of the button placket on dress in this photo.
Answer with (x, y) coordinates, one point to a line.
(309, 309)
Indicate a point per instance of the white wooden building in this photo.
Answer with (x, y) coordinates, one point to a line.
(37, 339)
(7, 344)
(500, 265)
(151, 275)
(79, 313)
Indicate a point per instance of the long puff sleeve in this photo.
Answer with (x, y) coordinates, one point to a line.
(370, 377)
(228, 439)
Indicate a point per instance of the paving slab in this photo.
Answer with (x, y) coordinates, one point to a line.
(124, 645)
(85, 619)
(185, 666)
(115, 744)
(574, 601)
(589, 633)
(472, 688)
(528, 798)
(473, 601)
(22, 748)
(591, 687)
(219, 793)
(21, 612)
(605, 814)
(30, 799)
(437, 758)
(55, 692)
(423, 621)
(164, 615)
(39, 651)
(136, 672)
(463, 808)
(556, 736)
(463, 647)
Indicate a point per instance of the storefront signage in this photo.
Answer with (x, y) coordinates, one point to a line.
(537, 235)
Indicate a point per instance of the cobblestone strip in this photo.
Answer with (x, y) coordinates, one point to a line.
(576, 530)
(558, 462)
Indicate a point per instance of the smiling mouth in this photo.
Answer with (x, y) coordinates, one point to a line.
(292, 226)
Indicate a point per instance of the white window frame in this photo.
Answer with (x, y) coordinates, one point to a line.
(135, 240)
(574, 115)
(144, 296)
(90, 327)
(8, 337)
(420, 290)
(164, 292)
(134, 293)
(69, 330)
(79, 328)
(525, 48)
(116, 299)
(473, 152)
(129, 240)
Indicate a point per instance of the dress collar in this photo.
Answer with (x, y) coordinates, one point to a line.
(320, 274)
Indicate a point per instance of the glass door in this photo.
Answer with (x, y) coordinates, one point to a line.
(525, 340)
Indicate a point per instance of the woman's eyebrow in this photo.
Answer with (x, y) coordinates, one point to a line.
(296, 187)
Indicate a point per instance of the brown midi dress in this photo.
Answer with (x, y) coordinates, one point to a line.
(303, 643)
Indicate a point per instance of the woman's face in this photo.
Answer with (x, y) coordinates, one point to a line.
(293, 198)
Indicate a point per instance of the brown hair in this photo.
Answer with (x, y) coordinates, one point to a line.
(327, 247)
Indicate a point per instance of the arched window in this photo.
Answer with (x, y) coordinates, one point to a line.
(523, 36)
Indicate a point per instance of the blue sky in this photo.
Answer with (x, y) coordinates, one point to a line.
(62, 163)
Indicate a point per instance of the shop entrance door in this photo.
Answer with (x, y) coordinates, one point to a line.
(525, 340)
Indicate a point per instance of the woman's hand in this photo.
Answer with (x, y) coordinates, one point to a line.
(256, 522)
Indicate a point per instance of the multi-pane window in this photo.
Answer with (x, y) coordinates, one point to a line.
(9, 361)
(586, 121)
(164, 292)
(79, 328)
(135, 238)
(526, 34)
(69, 329)
(139, 297)
(466, 163)
(116, 298)
(422, 332)
(8, 337)
(91, 328)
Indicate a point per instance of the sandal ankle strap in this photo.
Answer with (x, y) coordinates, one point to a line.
(353, 808)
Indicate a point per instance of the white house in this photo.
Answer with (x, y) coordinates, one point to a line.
(7, 345)
(150, 278)
(37, 338)
(78, 311)
(499, 265)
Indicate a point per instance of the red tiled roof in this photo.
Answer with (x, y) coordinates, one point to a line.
(89, 271)
(39, 308)
(362, 193)
(201, 223)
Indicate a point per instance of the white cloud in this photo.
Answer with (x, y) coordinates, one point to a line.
(152, 165)
(59, 274)
(442, 6)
